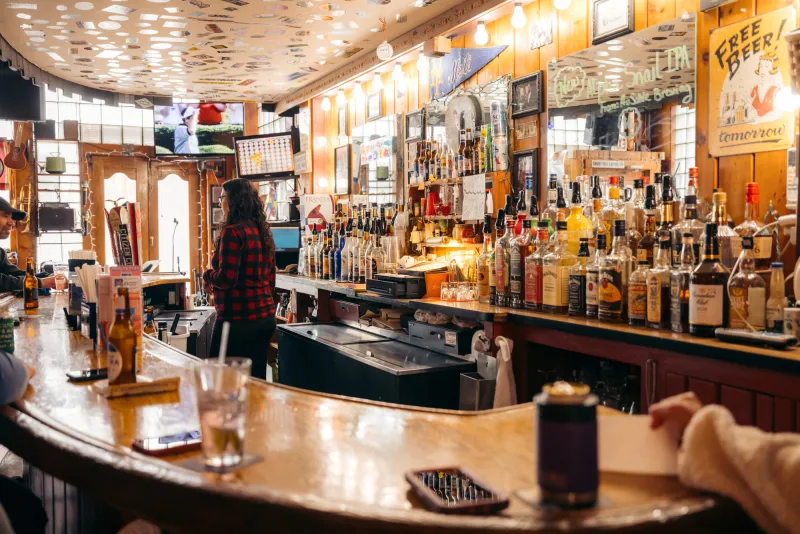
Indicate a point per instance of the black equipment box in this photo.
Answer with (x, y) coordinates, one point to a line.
(414, 286)
(448, 338)
(199, 323)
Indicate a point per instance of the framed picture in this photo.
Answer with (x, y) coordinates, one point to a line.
(217, 216)
(610, 19)
(526, 161)
(375, 105)
(526, 95)
(341, 170)
(344, 123)
(415, 125)
(216, 192)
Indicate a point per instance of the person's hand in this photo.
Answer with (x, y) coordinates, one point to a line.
(49, 282)
(31, 370)
(674, 413)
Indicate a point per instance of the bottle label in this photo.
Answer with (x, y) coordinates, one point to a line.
(591, 289)
(653, 299)
(577, 293)
(736, 247)
(762, 247)
(500, 269)
(516, 271)
(555, 286)
(326, 266)
(675, 299)
(705, 304)
(774, 313)
(637, 301)
(641, 254)
(483, 280)
(738, 307)
(609, 293)
(114, 363)
(533, 283)
(756, 307)
(492, 268)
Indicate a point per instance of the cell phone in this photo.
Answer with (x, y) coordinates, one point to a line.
(772, 340)
(172, 444)
(453, 490)
(88, 375)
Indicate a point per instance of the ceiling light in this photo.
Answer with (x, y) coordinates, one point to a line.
(322, 182)
(341, 100)
(326, 104)
(377, 83)
(358, 92)
(397, 72)
(561, 5)
(518, 19)
(481, 36)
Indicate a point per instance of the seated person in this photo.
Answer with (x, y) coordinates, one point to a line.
(11, 276)
(757, 469)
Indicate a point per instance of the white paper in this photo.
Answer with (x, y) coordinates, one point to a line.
(474, 197)
(627, 445)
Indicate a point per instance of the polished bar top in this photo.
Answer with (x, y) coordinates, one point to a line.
(331, 464)
(158, 279)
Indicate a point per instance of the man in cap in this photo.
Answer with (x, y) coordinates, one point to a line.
(186, 133)
(12, 277)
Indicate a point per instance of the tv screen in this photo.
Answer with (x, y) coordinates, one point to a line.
(198, 129)
(265, 156)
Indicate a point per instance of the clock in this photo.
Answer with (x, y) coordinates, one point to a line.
(464, 111)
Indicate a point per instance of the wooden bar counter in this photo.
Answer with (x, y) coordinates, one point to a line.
(331, 464)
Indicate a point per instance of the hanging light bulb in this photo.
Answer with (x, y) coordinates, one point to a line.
(422, 63)
(377, 82)
(397, 72)
(481, 35)
(341, 100)
(561, 5)
(358, 92)
(518, 19)
(326, 104)
(400, 83)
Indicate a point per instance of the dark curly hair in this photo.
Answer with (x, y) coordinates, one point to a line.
(244, 204)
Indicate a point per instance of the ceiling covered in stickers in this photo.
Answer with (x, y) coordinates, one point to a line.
(225, 49)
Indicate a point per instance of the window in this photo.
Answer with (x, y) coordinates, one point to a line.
(565, 134)
(683, 145)
(270, 122)
(173, 240)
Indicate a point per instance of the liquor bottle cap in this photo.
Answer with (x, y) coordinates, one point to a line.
(561, 225)
(576, 193)
(747, 242)
(688, 235)
(612, 180)
(719, 197)
(690, 199)
(776, 265)
(501, 214)
(534, 209)
(526, 223)
(619, 227)
(544, 223)
(658, 176)
(638, 183)
(509, 209)
(650, 197)
(487, 223)
(751, 193)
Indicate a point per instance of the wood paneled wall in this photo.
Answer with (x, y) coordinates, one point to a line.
(572, 34)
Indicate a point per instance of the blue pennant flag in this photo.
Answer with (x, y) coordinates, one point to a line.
(448, 72)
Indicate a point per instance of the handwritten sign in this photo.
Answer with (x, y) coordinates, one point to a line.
(750, 78)
(448, 72)
(474, 197)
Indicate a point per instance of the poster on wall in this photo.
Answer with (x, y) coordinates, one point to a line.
(749, 98)
(446, 73)
(316, 209)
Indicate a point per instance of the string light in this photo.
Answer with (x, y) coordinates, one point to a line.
(358, 92)
(481, 35)
(341, 100)
(326, 104)
(377, 82)
(561, 5)
(397, 72)
(518, 19)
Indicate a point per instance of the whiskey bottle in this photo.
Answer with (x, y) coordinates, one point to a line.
(522, 213)
(30, 287)
(613, 278)
(337, 256)
(326, 255)
(729, 242)
(679, 285)
(637, 295)
(665, 227)
(658, 300)
(689, 224)
(647, 245)
(468, 155)
(520, 249)
(483, 262)
(312, 253)
(747, 291)
(122, 343)
(577, 280)
(503, 262)
(555, 274)
(613, 211)
(533, 267)
(777, 299)
(752, 226)
(462, 147)
(551, 211)
(498, 226)
(593, 276)
(561, 205)
(708, 297)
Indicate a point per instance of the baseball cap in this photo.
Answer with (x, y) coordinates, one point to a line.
(188, 112)
(16, 214)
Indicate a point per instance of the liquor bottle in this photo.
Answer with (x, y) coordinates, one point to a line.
(647, 244)
(658, 300)
(468, 157)
(483, 261)
(613, 211)
(561, 205)
(613, 277)
(375, 255)
(667, 222)
(521, 247)
(30, 287)
(551, 212)
(658, 182)
(679, 285)
(364, 252)
(533, 267)
(434, 164)
(462, 147)
(752, 226)
(337, 256)
(689, 224)
(555, 274)
(498, 226)
(634, 210)
(489, 148)
(578, 226)
(747, 291)
(476, 153)
(693, 188)
(708, 297)
(637, 295)
(593, 276)
(302, 256)
(325, 254)
(122, 343)
(729, 242)
(312, 253)
(522, 213)
(777, 299)
(348, 244)
(577, 279)
(598, 227)
(502, 260)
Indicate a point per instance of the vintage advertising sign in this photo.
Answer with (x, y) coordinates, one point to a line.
(448, 72)
(750, 80)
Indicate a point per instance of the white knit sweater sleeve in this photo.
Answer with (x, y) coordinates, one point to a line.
(759, 470)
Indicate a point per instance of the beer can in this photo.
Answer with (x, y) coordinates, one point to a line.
(500, 144)
(566, 429)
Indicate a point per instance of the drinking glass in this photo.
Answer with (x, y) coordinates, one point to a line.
(222, 409)
(61, 271)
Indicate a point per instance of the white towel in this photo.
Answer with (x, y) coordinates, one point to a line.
(505, 393)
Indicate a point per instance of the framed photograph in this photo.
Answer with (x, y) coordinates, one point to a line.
(216, 192)
(526, 161)
(375, 105)
(344, 123)
(526, 95)
(415, 125)
(341, 172)
(610, 19)
(217, 216)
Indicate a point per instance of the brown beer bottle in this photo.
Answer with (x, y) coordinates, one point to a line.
(122, 343)
(31, 288)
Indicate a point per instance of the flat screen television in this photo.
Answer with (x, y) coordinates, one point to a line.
(198, 129)
(265, 156)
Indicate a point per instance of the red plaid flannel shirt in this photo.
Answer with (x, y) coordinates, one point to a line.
(242, 276)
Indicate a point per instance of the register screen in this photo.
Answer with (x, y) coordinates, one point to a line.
(286, 238)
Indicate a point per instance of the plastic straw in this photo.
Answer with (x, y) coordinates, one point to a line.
(223, 343)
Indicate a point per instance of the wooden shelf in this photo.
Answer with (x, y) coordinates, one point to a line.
(490, 176)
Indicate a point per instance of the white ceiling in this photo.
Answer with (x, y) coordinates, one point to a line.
(229, 49)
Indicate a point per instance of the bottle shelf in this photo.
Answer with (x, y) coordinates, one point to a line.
(490, 176)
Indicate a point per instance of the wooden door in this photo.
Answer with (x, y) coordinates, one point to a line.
(161, 175)
(102, 170)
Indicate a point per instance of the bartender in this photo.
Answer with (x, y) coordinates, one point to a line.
(11, 277)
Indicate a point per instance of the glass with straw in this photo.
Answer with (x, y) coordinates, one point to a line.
(222, 406)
